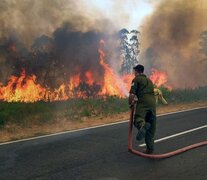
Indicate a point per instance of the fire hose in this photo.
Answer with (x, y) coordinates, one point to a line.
(155, 156)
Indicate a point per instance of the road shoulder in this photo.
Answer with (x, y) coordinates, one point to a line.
(14, 132)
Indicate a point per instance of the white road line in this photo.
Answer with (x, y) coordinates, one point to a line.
(94, 127)
(186, 110)
(178, 134)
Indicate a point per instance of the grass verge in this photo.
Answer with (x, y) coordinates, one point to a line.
(21, 120)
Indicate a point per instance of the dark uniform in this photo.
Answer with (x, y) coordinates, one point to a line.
(145, 112)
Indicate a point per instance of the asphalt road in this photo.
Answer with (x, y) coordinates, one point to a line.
(101, 153)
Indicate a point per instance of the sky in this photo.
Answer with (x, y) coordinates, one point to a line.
(130, 13)
(21, 17)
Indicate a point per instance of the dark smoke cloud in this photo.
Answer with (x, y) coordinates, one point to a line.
(28, 19)
(78, 51)
(170, 41)
(52, 39)
(56, 58)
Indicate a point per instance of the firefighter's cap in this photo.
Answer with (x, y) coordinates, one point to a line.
(139, 68)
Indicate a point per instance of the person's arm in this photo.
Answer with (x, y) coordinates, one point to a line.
(132, 93)
(133, 89)
(161, 98)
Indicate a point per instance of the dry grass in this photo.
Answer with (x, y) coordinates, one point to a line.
(15, 131)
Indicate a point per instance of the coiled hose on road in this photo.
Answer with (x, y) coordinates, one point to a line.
(156, 156)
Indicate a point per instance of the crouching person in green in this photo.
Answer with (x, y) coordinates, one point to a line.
(145, 112)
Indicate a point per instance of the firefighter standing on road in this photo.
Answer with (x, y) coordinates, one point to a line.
(145, 112)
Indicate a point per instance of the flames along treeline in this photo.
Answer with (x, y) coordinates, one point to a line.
(70, 65)
(25, 88)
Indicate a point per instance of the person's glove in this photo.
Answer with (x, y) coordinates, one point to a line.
(132, 100)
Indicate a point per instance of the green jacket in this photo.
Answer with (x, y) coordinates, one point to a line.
(143, 88)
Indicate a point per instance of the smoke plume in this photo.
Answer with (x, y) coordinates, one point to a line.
(170, 41)
(56, 39)
(51, 39)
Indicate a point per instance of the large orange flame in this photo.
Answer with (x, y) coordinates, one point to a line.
(111, 84)
(159, 78)
(22, 89)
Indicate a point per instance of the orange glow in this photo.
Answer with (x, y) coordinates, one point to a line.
(127, 80)
(159, 78)
(74, 81)
(89, 78)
